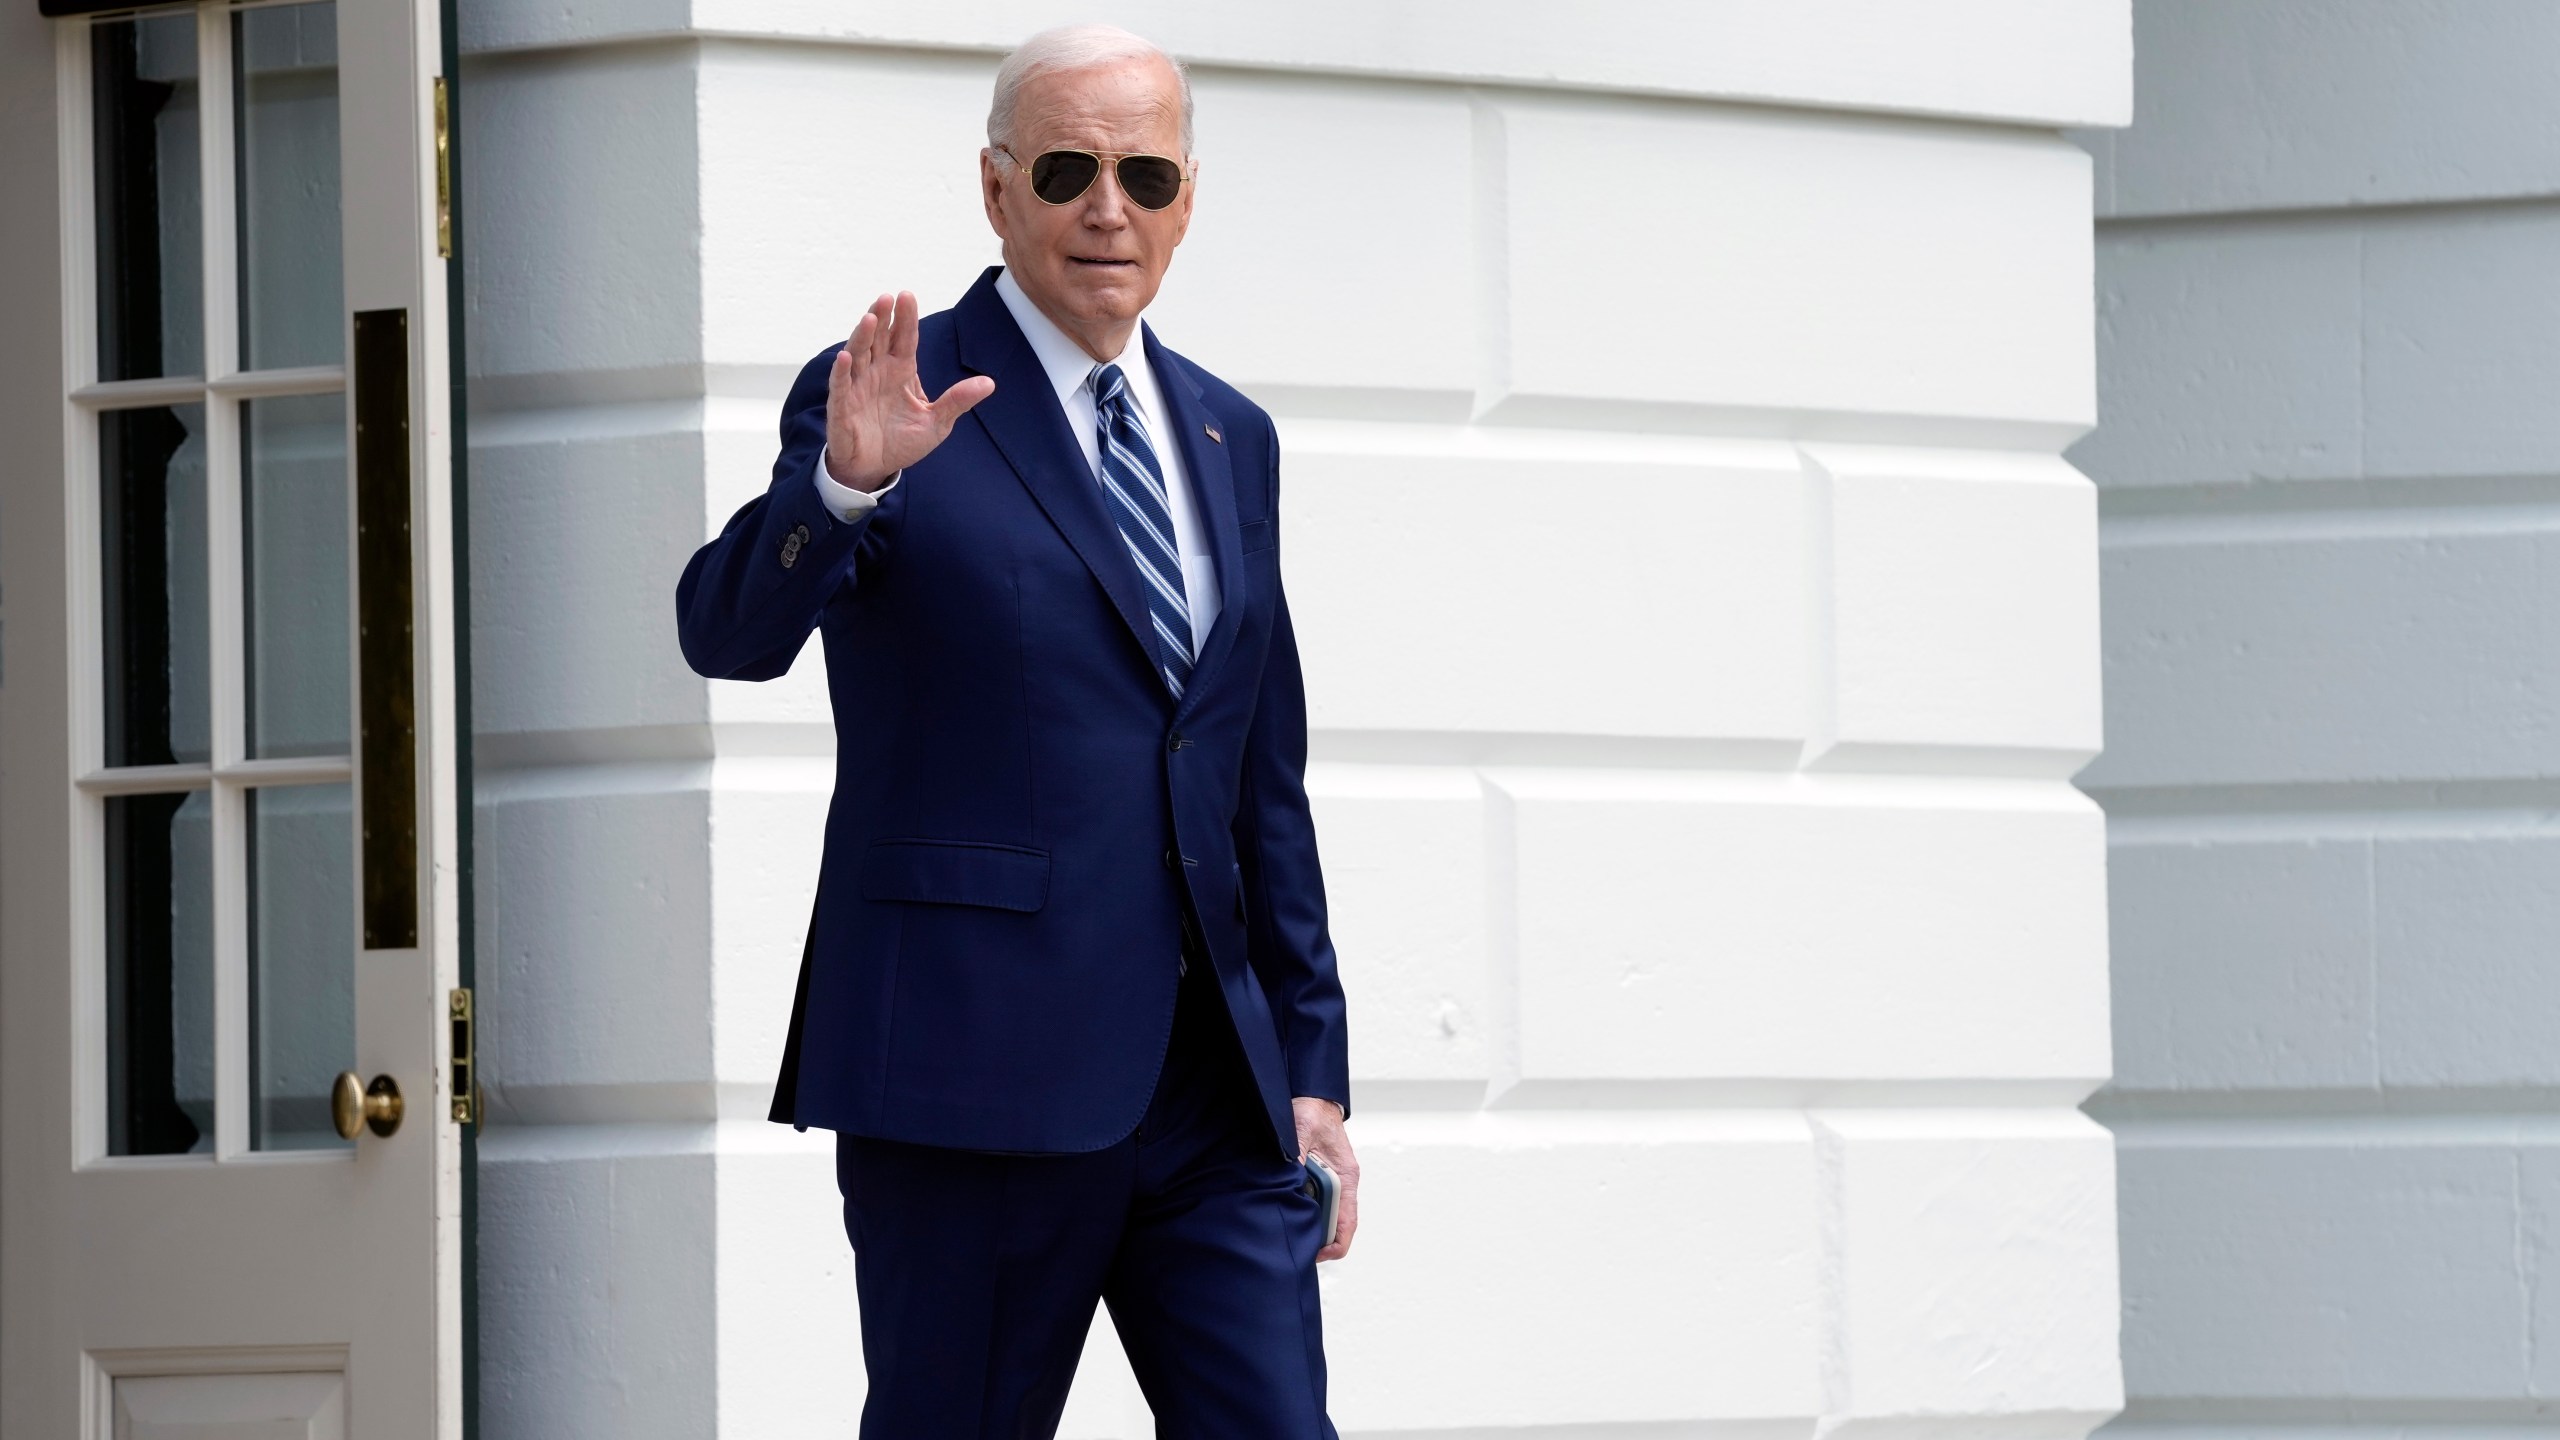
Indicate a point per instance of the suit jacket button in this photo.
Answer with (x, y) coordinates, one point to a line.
(1175, 743)
(800, 533)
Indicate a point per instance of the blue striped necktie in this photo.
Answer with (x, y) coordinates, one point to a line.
(1135, 483)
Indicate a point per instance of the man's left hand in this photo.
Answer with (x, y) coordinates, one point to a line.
(1320, 1133)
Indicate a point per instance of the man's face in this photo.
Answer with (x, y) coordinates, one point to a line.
(1093, 263)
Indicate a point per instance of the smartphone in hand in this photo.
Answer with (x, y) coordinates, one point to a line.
(1325, 1188)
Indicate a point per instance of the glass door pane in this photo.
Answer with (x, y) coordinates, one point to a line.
(149, 197)
(293, 536)
(159, 974)
(285, 97)
(302, 948)
(156, 632)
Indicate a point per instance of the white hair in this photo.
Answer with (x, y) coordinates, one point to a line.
(1073, 47)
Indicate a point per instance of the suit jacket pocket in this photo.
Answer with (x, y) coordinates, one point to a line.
(956, 872)
(1258, 535)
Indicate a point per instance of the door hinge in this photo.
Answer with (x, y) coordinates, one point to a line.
(444, 174)
(466, 1081)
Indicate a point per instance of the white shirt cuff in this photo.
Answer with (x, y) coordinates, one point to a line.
(843, 501)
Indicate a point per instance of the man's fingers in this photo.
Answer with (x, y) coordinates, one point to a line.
(963, 396)
(865, 345)
(1347, 1224)
(857, 350)
(902, 329)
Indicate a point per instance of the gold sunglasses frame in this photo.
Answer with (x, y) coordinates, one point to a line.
(1103, 160)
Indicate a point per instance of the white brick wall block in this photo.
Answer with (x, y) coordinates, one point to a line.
(2463, 934)
(2267, 1261)
(1425, 587)
(790, 1352)
(1790, 272)
(1847, 929)
(2283, 104)
(599, 1294)
(768, 824)
(2319, 651)
(2403, 348)
(2243, 964)
(797, 240)
(1499, 1258)
(596, 995)
(1963, 604)
(582, 208)
(571, 544)
(1975, 1267)
(2458, 357)
(1405, 877)
(2227, 355)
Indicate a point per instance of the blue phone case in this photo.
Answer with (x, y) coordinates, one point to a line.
(1325, 1188)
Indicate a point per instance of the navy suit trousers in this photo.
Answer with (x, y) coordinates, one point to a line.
(978, 1271)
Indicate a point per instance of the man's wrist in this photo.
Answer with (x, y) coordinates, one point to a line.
(868, 485)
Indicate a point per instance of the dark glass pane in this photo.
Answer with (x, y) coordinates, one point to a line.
(159, 974)
(150, 198)
(293, 538)
(302, 951)
(285, 60)
(151, 526)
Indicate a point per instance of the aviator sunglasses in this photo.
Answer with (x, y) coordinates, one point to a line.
(1058, 176)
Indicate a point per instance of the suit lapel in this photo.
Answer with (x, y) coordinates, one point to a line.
(1030, 431)
(1213, 486)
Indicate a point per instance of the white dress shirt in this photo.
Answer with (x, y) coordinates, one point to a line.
(1070, 373)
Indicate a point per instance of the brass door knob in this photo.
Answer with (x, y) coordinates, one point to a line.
(354, 1104)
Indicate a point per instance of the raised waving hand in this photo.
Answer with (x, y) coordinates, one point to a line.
(878, 419)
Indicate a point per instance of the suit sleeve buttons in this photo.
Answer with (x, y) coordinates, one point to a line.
(791, 544)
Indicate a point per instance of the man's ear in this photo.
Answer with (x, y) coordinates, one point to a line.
(991, 177)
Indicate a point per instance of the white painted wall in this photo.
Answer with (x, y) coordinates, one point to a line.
(2328, 304)
(1701, 629)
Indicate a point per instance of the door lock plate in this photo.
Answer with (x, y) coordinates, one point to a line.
(465, 1088)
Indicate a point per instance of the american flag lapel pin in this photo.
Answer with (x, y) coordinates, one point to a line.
(1212, 432)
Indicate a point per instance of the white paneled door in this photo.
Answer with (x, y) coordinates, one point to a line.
(235, 1087)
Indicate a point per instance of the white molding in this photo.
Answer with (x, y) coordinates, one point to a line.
(135, 394)
(2021, 62)
(100, 1369)
(192, 389)
(245, 774)
(226, 1360)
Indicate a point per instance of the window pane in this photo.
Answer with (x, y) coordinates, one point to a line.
(151, 514)
(294, 507)
(286, 89)
(302, 950)
(149, 196)
(159, 974)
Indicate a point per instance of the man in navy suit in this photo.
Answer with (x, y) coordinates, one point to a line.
(1069, 1000)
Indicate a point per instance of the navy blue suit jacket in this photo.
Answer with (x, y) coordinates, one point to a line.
(1025, 822)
